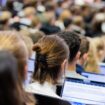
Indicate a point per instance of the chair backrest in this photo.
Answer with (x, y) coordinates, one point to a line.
(46, 100)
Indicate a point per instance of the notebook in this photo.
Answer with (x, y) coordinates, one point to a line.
(83, 92)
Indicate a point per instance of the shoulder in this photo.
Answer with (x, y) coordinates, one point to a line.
(30, 99)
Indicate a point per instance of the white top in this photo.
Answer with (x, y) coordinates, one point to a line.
(44, 89)
(73, 74)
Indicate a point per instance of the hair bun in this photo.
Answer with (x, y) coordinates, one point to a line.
(36, 48)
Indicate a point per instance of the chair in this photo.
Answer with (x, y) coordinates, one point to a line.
(47, 100)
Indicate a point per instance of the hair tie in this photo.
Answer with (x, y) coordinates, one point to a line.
(41, 58)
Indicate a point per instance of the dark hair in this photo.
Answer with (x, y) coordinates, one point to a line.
(9, 92)
(51, 52)
(84, 46)
(73, 41)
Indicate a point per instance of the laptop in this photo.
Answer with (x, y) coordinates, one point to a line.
(102, 68)
(94, 76)
(31, 63)
(83, 92)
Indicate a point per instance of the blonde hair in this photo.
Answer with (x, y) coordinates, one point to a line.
(99, 45)
(51, 52)
(92, 62)
(6, 15)
(66, 14)
(28, 42)
(29, 11)
(10, 41)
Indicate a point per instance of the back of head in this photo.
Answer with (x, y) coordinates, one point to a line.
(84, 46)
(11, 42)
(28, 42)
(5, 15)
(51, 52)
(8, 79)
(36, 36)
(28, 11)
(73, 41)
(92, 62)
(100, 48)
(4, 20)
(66, 14)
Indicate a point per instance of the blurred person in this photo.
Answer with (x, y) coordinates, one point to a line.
(31, 55)
(10, 90)
(75, 10)
(103, 56)
(28, 42)
(77, 25)
(66, 4)
(86, 13)
(66, 14)
(12, 42)
(35, 22)
(10, 7)
(59, 9)
(5, 16)
(84, 49)
(36, 36)
(91, 64)
(29, 12)
(29, 3)
(78, 21)
(49, 27)
(51, 59)
(73, 41)
(97, 21)
(100, 48)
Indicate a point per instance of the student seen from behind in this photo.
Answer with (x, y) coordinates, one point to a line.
(73, 41)
(10, 90)
(51, 59)
(84, 48)
(12, 42)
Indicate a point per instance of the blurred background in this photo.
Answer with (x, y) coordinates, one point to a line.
(86, 17)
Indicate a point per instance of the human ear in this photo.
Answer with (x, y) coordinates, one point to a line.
(78, 55)
(64, 65)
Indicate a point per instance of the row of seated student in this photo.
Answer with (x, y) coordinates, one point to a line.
(51, 59)
(57, 57)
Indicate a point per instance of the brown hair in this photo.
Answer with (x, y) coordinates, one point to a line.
(12, 42)
(36, 36)
(51, 52)
(84, 46)
(28, 42)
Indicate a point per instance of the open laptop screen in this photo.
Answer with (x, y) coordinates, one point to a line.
(31, 63)
(94, 76)
(84, 92)
(102, 68)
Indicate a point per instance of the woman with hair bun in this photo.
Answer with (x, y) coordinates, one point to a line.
(51, 58)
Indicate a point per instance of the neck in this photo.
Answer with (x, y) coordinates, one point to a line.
(72, 66)
(81, 62)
